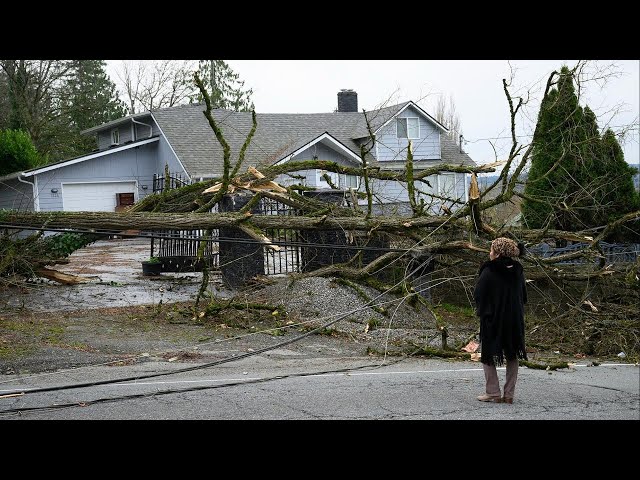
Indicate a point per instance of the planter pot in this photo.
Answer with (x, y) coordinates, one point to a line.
(150, 269)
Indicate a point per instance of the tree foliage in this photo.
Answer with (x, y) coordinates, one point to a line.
(578, 179)
(150, 85)
(89, 98)
(17, 152)
(53, 100)
(32, 89)
(224, 86)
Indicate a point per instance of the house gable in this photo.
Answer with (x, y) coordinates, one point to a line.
(391, 146)
(84, 158)
(324, 147)
(128, 129)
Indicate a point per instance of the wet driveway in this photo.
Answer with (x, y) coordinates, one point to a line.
(114, 277)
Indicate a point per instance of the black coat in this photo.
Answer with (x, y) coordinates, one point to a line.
(500, 295)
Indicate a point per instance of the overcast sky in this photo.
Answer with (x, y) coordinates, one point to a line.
(308, 86)
(311, 86)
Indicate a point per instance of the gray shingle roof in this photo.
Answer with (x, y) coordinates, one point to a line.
(277, 135)
(451, 152)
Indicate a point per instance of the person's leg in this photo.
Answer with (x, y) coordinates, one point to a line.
(512, 377)
(492, 384)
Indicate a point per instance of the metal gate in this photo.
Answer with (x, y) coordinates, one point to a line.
(288, 259)
(177, 250)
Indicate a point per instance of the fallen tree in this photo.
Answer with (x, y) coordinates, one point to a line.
(459, 235)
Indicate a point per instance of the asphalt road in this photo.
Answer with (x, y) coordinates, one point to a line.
(416, 389)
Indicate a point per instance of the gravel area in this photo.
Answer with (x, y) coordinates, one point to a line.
(322, 300)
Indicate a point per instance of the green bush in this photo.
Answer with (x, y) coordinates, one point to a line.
(17, 152)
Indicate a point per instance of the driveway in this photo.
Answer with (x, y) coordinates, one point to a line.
(114, 279)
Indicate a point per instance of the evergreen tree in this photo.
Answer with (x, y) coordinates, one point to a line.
(90, 99)
(4, 100)
(581, 177)
(225, 87)
(619, 197)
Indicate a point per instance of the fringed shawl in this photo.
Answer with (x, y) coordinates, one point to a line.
(500, 295)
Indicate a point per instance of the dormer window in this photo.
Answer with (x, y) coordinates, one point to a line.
(115, 137)
(408, 128)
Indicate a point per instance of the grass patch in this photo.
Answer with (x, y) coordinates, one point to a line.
(464, 311)
(12, 350)
(54, 335)
(327, 331)
(373, 323)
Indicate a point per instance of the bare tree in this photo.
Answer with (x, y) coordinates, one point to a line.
(447, 115)
(153, 84)
(33, 88)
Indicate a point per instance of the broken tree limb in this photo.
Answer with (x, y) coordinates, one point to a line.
(60, 277)
(474, 208)
(260, 238)
(288, 167)
(168, 221)
(254, 186)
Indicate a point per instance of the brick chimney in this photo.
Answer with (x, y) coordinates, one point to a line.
(347, 100)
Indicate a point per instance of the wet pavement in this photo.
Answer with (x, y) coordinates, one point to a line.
(114, 277)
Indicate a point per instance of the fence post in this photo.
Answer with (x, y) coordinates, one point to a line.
(239, 262)
(314, 257)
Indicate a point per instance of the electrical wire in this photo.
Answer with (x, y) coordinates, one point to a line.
(209, 364)
(20, 410)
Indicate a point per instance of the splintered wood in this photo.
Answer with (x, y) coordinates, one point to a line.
(252, 186)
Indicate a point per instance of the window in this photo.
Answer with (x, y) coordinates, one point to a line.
(446, 182)
(115, 137)
(408, 128)
(348, 181)
(125, 199)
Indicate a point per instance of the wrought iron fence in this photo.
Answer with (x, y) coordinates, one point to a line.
(174, 180)
(614, 253)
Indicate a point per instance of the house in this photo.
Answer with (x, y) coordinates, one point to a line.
(132, 149)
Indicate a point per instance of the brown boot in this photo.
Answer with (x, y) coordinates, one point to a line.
(490, 398)
(507, 399)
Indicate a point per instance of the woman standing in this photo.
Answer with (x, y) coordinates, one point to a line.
(500, 295)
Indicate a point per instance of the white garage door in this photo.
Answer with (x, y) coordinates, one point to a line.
(93, 197)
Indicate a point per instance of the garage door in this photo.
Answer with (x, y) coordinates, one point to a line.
(93, 197)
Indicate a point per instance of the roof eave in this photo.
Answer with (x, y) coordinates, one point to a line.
(113, 123)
